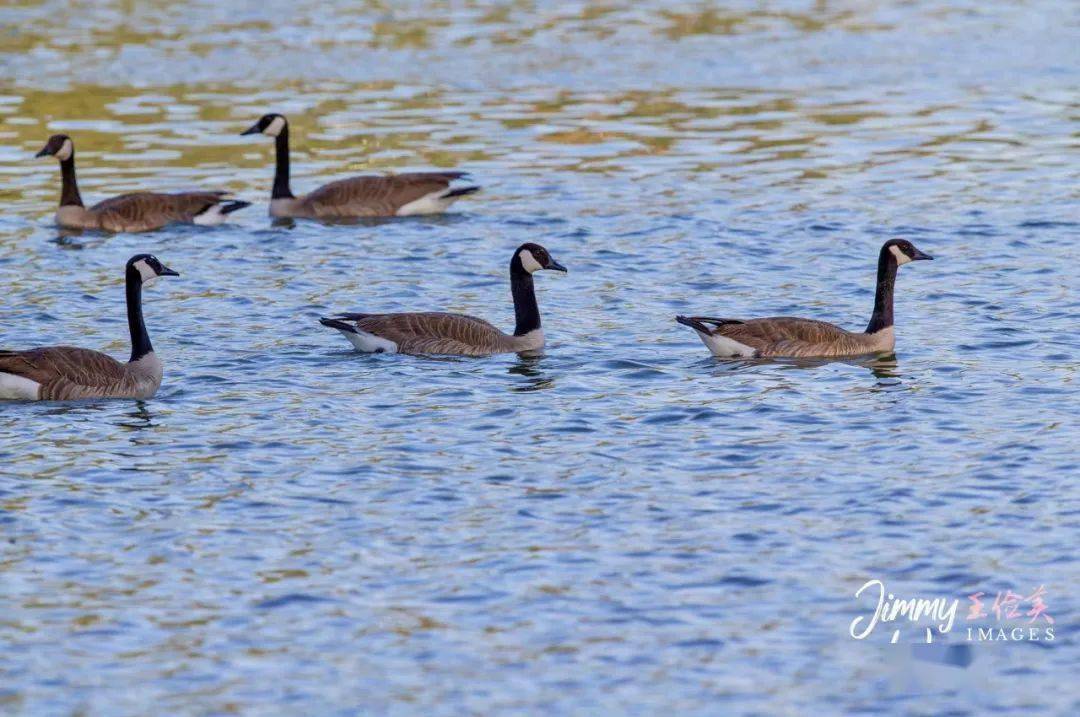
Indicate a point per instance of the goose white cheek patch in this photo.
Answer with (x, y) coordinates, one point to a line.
(148, 275)
(274, 128)
(529, 262)
(901, 257)
(65, 150)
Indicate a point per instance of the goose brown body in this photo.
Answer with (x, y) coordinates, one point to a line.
(434, 332)
(782, 336)
(66, 373)
(364, 196)
(139, 211)
(135, 211)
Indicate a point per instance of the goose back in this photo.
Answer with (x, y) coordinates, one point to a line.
(373, 196)
(65, 373)
(778, 336)
(439, 333)
(142, 211)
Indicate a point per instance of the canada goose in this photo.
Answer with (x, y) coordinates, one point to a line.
(134, 212)
(65, 373)
(456, 334)
(365, 196)
(781, 336)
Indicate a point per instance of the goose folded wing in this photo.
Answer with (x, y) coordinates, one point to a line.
(374, 195)
(66, 364)
(189, 204)
(787, 336)
(434, 332)
(148, 208)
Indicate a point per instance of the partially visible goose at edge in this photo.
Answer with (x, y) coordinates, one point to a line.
(365, 196)
(791, 337)
(65, 373)
(134, 212)
(457, 334)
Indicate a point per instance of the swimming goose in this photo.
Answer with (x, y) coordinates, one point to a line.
(456, 334)
(791, 337)
(134, 212)
(365, 196)
(64, 373)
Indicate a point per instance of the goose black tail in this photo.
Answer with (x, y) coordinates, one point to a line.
(696, 321)
(234, 206)
(693, 323)
(338, 324)
(461, 192)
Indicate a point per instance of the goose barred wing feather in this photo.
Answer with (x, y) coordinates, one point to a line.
(374, 196)
(140, 211)
(434, 333)
(66, 372)
(783, 336)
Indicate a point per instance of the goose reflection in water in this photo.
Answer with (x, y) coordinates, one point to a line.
(529, 366)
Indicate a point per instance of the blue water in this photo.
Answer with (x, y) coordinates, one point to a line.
(623, 525)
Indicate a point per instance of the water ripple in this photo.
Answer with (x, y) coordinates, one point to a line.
(622, 525)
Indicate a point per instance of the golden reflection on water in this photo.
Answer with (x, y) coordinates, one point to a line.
(125, 137)
(128, 133)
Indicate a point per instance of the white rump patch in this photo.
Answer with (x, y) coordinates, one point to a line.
(211, 216)
(17, 388)
(901, 257)
(528, 261)
(369, 343)
(433, 203)
(65, 151)
(723, 347)
(274, 128)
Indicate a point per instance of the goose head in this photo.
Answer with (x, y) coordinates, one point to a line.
(270, 124)
(904, 251)
(147, 268)
(529, 258)
(59, 146)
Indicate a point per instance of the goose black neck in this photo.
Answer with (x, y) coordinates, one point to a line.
(69, 188)
(140, 340)
(281, 169)
(882, 317)
(526, 311)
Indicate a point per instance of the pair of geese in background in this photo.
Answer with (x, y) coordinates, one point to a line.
(68, 373)
(395, 195)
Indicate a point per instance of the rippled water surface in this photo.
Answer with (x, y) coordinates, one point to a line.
(623, 524)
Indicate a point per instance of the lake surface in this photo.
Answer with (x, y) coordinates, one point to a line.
(623, 525)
